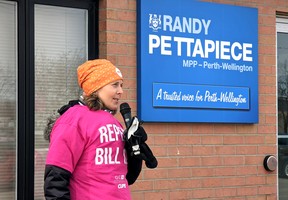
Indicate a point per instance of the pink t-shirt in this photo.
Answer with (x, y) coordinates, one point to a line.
(90, 145)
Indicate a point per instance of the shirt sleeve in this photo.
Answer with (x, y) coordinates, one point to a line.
(66, 147)
(56, 183)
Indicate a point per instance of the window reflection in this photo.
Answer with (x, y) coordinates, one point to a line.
(8, 49)
(60, 47)
(282, 75)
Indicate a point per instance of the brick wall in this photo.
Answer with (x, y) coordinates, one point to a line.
(201, 161)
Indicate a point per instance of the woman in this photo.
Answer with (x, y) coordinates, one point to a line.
(86, 157)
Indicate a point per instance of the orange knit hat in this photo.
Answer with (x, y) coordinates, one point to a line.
(94, 74)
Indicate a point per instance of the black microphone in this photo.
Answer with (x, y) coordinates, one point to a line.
(147, 155)
(125, 111)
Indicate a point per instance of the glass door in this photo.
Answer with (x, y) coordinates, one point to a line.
(282, 77)
(61, 36)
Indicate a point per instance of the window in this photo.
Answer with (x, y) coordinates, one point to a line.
(8, 94)
(61, 36)
(42, 42)
(282, 78)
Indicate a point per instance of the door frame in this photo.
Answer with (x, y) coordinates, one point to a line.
(26, 83)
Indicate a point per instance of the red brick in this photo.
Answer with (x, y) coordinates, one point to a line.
(201, 160)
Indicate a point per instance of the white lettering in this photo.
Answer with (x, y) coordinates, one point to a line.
(159, 95)
(167, 22)
(247, 51)
(209, 48)
(183, 25)
(154, 42)
(165, 45)
(107, 155)
(206, 25)
(110, 133)
(103, 134)
(198, 50)
(188, 42)
(122, 185)
(224, 50)
(197, 23)
(234, 56)
(177, 25)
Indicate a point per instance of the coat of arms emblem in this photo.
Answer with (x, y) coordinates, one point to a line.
(155, 22)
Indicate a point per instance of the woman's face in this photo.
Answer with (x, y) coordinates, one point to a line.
(111, 94)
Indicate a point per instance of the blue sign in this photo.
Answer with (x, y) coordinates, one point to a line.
(197, 62)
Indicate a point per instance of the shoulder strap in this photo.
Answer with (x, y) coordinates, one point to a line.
(64, 108)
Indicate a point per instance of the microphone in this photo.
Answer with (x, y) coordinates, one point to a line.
(125, 111)
(136, 144)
